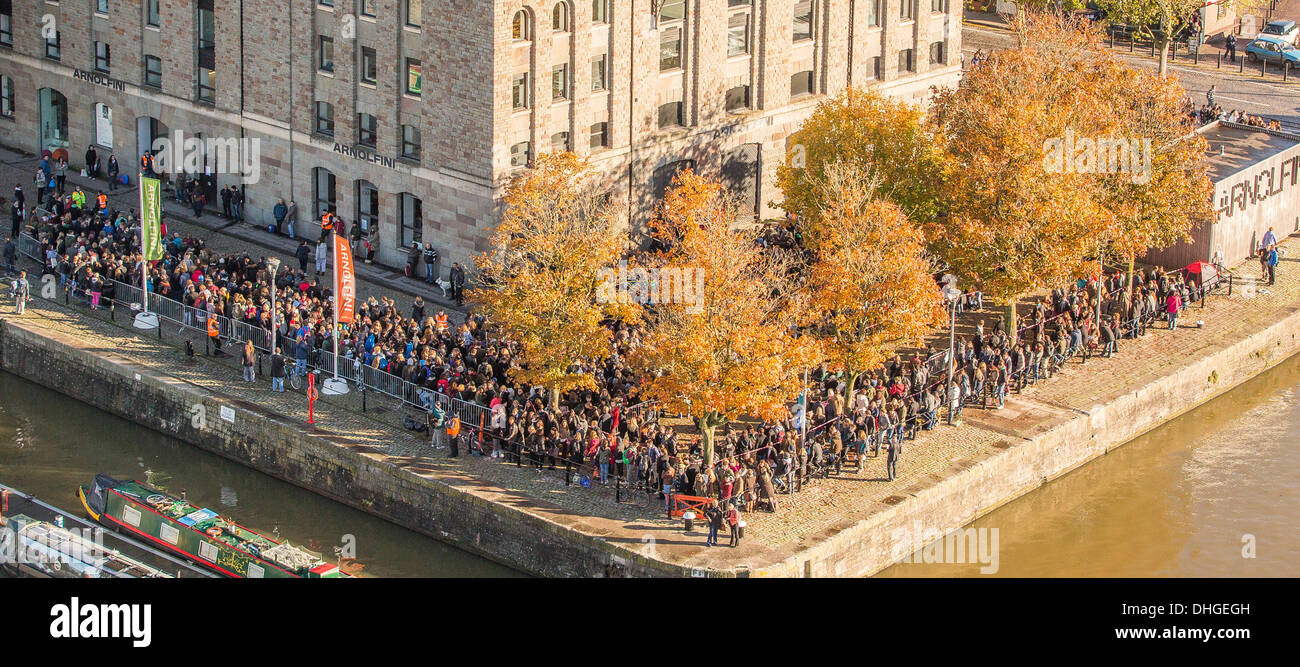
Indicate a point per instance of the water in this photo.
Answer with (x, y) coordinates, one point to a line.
(50, 444)
(1178, 501)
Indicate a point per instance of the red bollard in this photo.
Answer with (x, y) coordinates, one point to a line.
(311, 398)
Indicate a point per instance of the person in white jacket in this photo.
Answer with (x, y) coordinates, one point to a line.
(322, 253)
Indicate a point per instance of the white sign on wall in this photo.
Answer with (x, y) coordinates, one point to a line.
(228, 413)
(104, 125)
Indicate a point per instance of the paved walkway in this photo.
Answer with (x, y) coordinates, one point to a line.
(225, 236)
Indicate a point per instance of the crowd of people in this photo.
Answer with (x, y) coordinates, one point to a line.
(1211, 111)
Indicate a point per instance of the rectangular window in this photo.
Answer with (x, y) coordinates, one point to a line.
(598, 81)
(6, 97)
(152, 13)
(906, 62)
(738, 98)
(413, 10)
(153, 71)
(672, 10)
(937, 53)
(368, 65)
(367, 130)
(519, 91)
(325, 118)
(877, 68)
(102, 58)
(939, 6)
(368, 8)
(6, 29)
(414, 80)
(873, 13)
(521, 154)
(670, 115)
(803, 21)
(101, 6)
(600, 11)
(801, 84)
(738, 34)
(52, 47)
(559, 142)
(207, 28)
(325, 3)
(411, 212)
(907, 10)
(411, 142)
(670, 50)
(600, 135)
(560, 82)
(739, 3)
(325, 55)
(207, 85)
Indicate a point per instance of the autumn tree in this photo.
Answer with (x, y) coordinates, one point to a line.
(870, 283)
(872, 131)
(1158, 20)
(1019, 221)
(541, 277)
(729, 350)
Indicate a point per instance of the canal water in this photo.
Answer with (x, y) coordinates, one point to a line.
(1187, 499)
(51, 444)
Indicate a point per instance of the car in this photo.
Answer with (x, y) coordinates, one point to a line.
(1273, 49)
(1284, 28)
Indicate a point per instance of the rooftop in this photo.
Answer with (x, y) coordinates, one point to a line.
(1242, 146)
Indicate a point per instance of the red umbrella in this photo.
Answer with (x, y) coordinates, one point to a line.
(1201, 267)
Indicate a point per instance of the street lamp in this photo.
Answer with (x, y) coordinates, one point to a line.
(952, 294)
(274, 265)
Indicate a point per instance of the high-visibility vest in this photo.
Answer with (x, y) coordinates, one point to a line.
(441, 320)
(103, 200)
(327, 221)
(453, 427)
(144, 162)
(213, 331)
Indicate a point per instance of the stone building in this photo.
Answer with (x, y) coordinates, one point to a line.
(412, 115)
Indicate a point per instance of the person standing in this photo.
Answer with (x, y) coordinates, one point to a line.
(733, 520)
(303, 253)
(11, 254)
(22, 290)
(280, 211)
(40, 186)
(1209, 96)
(1172, 305)
(714, 516)
(1272, 262)
(17, 213)
(61, 174)
(248, 358)
(895, 451)
(277, 371)
(430, 264)
(92, 163)
(226, 192)
(1231, 43)
(458, 283)
(413, 259)
(113, 171)
(292, 218)
(237, 202)
(453, 436)
(322, 252)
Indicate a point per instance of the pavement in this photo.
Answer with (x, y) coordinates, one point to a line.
(228, 236)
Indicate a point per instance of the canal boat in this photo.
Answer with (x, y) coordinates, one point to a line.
(197, 533)
(46, 550)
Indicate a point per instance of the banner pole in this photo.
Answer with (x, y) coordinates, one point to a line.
(144, 255)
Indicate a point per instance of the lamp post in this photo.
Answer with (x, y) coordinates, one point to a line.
(952, 294)
(274, 265)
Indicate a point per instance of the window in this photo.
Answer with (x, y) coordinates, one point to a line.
(521, 28)
(323, 186)
(153, 71)
(326, 3)
(6, 97)
(600, 135)
(738, 98)
(801, 84)
(598, 80)
(939, 6)
(672, 10)
(739, 3)
(368, 65)
(803, 21)
(738, 34)
(520, 154)
(670, 50)
(907, 10)
(410, 142)
(560, 82)
(325, 118)
(325, 55)
(151, 13)
(559, 142)
(937, 53)
(413, 79)
(877, 68)
(410, 212)
(368, 8)
(102, 57)
(101, 6)
(600, 11)
(670, 115)
(519, 91)
(906, 62)
(367, 204)
(873, 13)
(6, 29)
(52, 46)
(560, 18)
(367, 130)
(412, 13)
(207, 85)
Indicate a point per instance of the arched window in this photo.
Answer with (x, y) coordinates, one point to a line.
(521, 28)
(560, 18)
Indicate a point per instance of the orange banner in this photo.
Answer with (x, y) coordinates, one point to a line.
(345, 281)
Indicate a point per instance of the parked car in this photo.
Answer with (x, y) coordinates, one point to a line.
(1273, 49)
(1284, 28)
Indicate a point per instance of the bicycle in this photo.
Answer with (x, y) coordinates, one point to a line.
(295, 378)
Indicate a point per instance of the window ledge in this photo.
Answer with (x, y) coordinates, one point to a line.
(411, 96)
(372, 85)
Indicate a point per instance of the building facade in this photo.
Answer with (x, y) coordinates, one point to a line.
(412, 115)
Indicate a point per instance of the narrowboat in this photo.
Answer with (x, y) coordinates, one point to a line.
(47, 550)
(197, 533)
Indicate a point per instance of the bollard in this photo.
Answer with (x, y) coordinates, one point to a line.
(112, 311)
(1241, 66)
(159, 328)
(361, 387)
(1286, 69)
(1219, 63)
(66, 296)
(618, 489)
(1153, 48)
(1112, 39)
(1130, 43)
(1263, 67)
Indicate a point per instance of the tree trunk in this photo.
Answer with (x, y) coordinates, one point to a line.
(1130, 273)
(554, 399)
(851, 380)
(1011, 316)
(706, 425)
(1164, 55)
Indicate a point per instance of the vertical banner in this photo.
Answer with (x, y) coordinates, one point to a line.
(151, 218)
(345, 281)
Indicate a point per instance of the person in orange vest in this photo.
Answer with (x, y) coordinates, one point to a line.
(326, 225)
(146, 163)
(102, 200)
(453, 435)
(214, 333)
(440, 320)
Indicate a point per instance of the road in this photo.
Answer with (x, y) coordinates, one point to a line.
(1271, 98)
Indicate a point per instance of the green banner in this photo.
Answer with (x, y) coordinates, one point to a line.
(151, 215)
